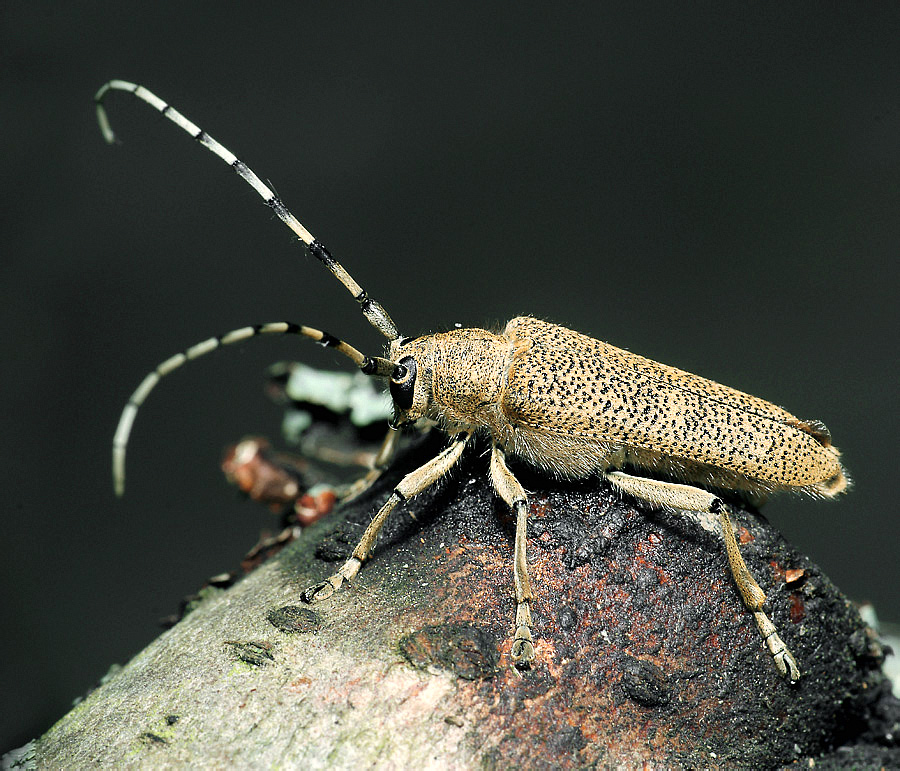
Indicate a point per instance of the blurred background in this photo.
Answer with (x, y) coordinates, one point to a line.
(716, 187)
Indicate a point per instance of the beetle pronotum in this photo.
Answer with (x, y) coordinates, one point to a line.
(562, 402)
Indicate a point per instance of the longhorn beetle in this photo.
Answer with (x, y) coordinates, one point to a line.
(567, 404)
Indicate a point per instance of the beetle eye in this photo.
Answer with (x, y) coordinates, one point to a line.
(403, 382)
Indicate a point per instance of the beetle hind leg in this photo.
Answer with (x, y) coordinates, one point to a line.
(689, 498)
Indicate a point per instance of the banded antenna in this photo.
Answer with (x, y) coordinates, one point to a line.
(372, 309)
(378, 317)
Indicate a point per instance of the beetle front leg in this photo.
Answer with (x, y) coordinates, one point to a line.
(412, 484)
(509, 489)
(689, 498)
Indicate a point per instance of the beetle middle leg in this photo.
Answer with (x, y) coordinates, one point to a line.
(689, 498)
(512, 492)
(412, 484)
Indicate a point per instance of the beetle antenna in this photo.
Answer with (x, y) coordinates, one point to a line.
(377, 367)
(378, 317)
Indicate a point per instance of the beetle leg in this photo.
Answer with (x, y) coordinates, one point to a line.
(512, 492)
(412, 484)
(380, 462)
(689, 498)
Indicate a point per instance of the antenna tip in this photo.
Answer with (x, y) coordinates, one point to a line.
(118, 471)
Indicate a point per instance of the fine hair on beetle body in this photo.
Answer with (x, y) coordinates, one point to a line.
(560, 401)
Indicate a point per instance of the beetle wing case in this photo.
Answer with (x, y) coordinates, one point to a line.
(597, 406)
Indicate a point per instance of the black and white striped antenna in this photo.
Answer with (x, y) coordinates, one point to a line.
(378, 317)
(372, 309)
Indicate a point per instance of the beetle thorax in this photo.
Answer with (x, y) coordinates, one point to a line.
(468, 371)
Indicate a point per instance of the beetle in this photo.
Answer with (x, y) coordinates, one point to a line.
(564, 403)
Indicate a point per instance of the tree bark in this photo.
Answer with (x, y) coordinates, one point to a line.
(645, 653)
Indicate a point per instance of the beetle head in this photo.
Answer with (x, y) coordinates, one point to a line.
(410, 382)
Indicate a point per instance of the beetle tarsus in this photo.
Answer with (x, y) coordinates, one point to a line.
(522, 653)
(784, 659)
(321, 591)
(324, 589)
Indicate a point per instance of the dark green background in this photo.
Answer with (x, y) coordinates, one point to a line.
(716, 188)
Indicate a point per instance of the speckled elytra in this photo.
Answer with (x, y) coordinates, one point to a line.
(563, 402)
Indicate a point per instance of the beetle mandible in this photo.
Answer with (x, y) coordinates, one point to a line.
(567, 404)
